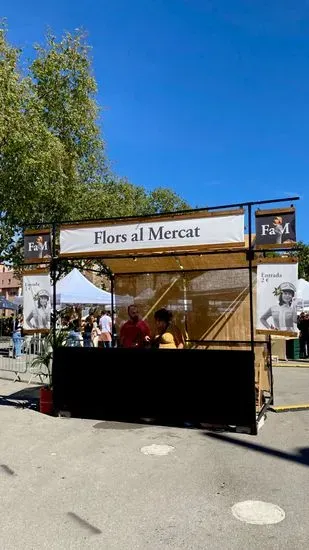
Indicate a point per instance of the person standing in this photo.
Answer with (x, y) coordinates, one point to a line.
(105, 325)
(88, 327)
(168, 334)
(95, 334)
(16, 336)
(134, 333)
(303, 326)
(75, 338)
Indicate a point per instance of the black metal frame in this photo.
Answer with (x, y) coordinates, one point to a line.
(270, 400)
(249, 251)
(170, 213)
(54, 266)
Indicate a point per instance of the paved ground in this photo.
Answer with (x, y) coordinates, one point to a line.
(80, 484)
(291, 386)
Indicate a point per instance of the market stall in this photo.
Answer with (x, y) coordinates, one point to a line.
(200, 265)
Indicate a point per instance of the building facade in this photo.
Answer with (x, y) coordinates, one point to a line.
(10, 286)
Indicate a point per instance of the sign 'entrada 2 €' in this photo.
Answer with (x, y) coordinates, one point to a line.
(179, 232)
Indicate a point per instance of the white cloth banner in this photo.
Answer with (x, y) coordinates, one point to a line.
(37, 302)
(153, 235)
(276, 298)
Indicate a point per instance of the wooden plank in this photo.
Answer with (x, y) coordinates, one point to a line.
(149, 219)
(173, 263)
(233, 324)
(275, 211)
(277, 332)
(153, 252)
(142, 265)
(29, 261)
(43, 271)
(274, 246)
(36, 331)
(276, 260)
(214, 261)
(37, 231)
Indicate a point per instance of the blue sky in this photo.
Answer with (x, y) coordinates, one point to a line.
(207, 97)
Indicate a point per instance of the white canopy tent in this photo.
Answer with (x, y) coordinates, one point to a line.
(303, 294)
(74, 288)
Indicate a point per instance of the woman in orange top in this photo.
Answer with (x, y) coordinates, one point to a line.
(168, 335)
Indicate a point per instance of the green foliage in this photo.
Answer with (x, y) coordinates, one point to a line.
(33, 179)
(118, 197)
(302, 254)
(52, 157)
(42, 364)
(303, 260)
(164, 200)
(63, 82)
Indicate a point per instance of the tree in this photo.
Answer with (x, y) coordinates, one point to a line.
(118, 197)
(63, 81)
(163, 199)
(303, 260)
(33, 163)
(30, 158)
(302, 254)
(52, 157)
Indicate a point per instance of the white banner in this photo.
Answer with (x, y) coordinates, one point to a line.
(37, 302)
(276, 297)
(153, 235)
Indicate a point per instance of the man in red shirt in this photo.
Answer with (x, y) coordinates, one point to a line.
(134, 333)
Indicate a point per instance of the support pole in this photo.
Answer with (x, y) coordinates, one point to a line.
(185, 302)
(112, 312)
(270, 368)
(54, 283)
(250, 260)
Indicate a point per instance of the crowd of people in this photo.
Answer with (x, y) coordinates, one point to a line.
(94, 331)
(98, 331)
(133, 333)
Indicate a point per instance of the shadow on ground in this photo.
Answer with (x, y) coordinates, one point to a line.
(27, 398)
(301, 457)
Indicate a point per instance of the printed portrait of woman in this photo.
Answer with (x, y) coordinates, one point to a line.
(39, 317)
(282, 316)
(41, 246)
(278, 227)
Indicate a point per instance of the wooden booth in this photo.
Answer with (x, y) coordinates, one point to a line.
(200, 265)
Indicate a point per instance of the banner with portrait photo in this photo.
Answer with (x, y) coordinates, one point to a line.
(276, 299)
(37, 246)
(275, 228)
(37, 294)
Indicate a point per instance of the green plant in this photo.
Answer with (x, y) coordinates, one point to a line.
(46, 356)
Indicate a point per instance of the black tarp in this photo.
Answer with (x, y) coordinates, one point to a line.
(214, 386)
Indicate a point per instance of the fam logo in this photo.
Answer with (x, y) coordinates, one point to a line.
(37, 246)
(275, 228)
